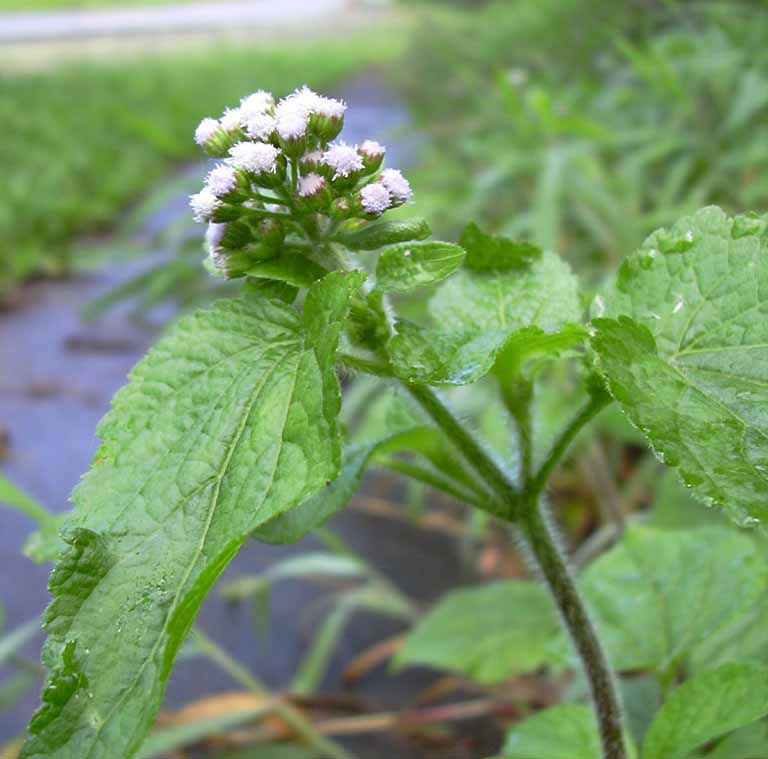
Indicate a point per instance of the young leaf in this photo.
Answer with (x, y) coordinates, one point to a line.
(706, 707)
(377, 234)
(290, 267)
(482, 314)
(568, 731)
(683, 348)
(489, 633)
(230, 420)
(495, 253)
(644, 589)
(403, 267)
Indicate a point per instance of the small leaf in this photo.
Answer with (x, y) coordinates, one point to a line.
(229, 421)
(403, 267)
(377, 234)
(495, 253)
(705, 707)
(683, 348)
(289, 266)
(644, 589)
(489, 633)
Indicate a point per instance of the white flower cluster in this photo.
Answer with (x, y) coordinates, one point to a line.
(282, 161)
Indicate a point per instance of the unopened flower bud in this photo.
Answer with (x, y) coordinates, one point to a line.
(374, 199)
(327, 119)
(341, 209)
(271, 233)
(372, 154)
(398, 186)
(313, 191)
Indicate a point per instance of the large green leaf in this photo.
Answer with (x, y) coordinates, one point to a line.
(706, 707)
(228, 421)
(568, 731)
(489, 633)
(748, 742)
(659, 594)
(414, 264)
(684, 347)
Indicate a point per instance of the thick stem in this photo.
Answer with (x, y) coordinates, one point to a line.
(548, 557)
(555, 572)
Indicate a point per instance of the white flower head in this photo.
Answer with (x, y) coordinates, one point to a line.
(204, 203)
(372, 148)
(256, 157)
(329, 107)
(343, 159)
(257, 103)
(291, 118)
(311, 184)
(232, 119)
(260, 126)
(397, 184)
(221, 180)
(205, 130)
(375, 198)
(213, 237)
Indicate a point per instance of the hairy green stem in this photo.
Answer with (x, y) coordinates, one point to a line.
(555, 572)
(524, 509)
(472, 450)
(598, 400)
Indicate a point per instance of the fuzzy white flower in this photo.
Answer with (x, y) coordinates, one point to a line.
(213, 237)
(375, 198)
(291, 118)
(256, 157)
(329, 107)
(343, 159)
(232, 119)
(205, 130)
(257, 103)
(259, 126)
(397, 184)
(221, 180)
(372, 148)
(310, 184)
(204, 203)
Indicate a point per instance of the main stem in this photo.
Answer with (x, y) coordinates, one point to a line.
(558, 577)
(524, 509)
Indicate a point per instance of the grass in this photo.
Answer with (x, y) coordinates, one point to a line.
(82, 142)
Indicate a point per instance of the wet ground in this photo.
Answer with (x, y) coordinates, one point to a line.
(57, 376)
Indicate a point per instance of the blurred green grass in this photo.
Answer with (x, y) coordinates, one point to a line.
(586, 124)
(82, 141)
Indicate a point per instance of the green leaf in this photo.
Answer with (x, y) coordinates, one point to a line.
(705, 707)
(482, 315)
(568, 731)
(544, 295)
(489, 633)
(683, 348)
(289, 266)
(657, 594)
(230, 420)
(403, 267)
(376, 234)
(747, 742)
(494, 252)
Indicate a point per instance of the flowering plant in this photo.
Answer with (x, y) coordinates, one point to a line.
(229, 429)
